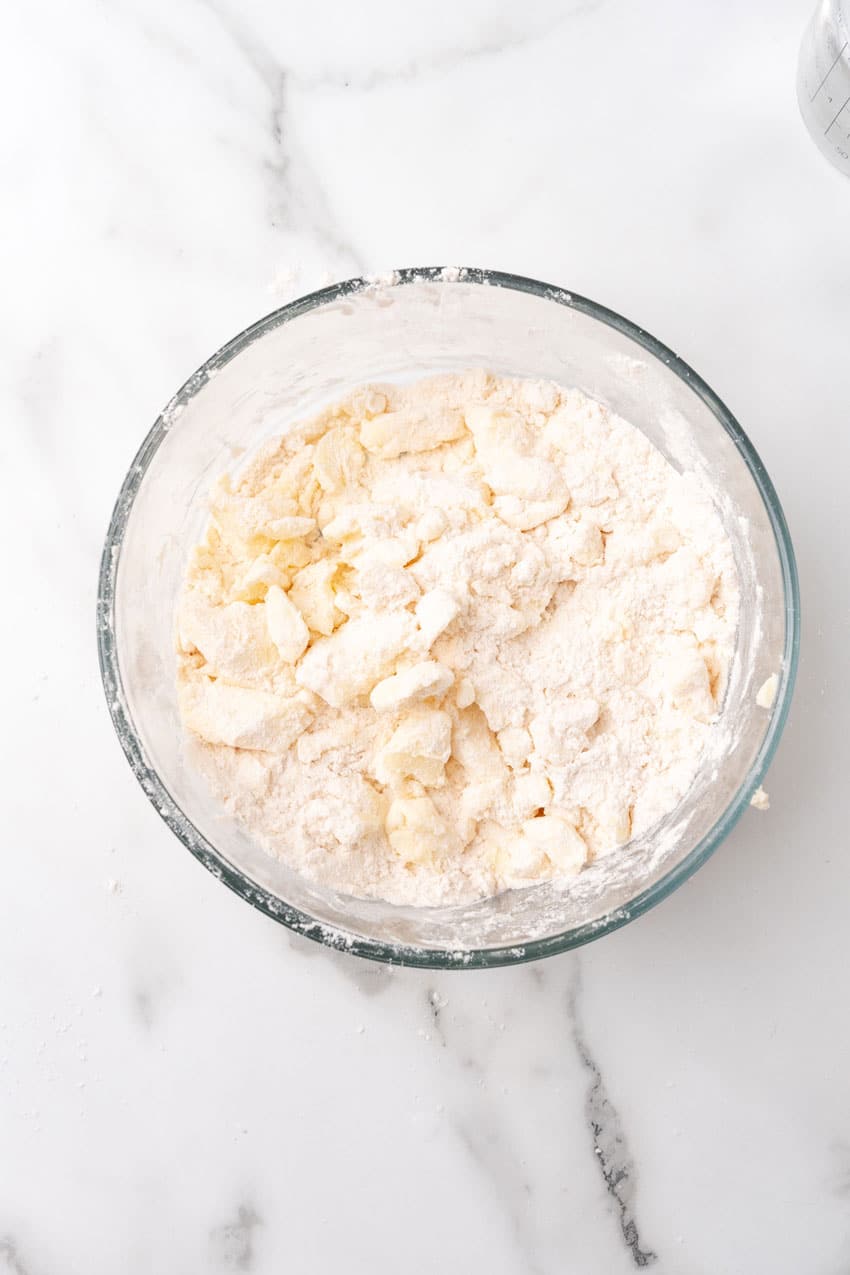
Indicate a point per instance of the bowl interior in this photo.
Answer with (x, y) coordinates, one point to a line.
(315, 350)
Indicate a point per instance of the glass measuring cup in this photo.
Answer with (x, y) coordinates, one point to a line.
(823, 81)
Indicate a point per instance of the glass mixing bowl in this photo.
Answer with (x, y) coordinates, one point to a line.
(420, 322)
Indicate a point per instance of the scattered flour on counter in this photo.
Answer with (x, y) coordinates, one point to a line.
(760, 800)
(456, 636)
(285, 280)
(382, 279)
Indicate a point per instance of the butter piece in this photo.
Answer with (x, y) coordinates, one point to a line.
(313, 595)
(419, 749)
(531, 792)
(415, 829)
(689, 685)
(435, 611)
(422, 681)
(558, 840)
(290, 528)
(241, 717)
(525, 515)
(262, 573)
(338, 460)
(431, 525)
(359, 654)
(465, 693)
(393, 433)
(233, 639)
(286, 625)
(516, 744)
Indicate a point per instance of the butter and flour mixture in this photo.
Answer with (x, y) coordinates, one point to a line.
(453, 637)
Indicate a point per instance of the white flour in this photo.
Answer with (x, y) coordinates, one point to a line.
(454, 637)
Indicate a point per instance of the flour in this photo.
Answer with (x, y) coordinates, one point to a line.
(454, 637)
(760, 800)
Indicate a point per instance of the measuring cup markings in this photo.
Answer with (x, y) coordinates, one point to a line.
(834, 64)
(823, 80)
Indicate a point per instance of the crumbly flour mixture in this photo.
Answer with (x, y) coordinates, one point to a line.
(453, 637)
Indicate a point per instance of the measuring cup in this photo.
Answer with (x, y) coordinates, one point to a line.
(823, 81)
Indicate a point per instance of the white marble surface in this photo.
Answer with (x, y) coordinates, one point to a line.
(183, 1086)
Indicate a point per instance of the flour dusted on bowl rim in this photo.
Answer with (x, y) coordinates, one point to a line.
(453, 637)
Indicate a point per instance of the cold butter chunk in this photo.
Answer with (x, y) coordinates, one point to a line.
(338, 460)
(558, 840)
(290, 528)
(497, 431)
(313, 595)
(233, 639)
(242, 717)
(689, 685)
(262, 573)
(530, 792)
(560, 732)
(525, 515)
(393, 433)
(435, 611)
(418, 749)
(415, 829)
(422, 681)
(516, 744)
(465, 694)
(286, 626)
(355, 657)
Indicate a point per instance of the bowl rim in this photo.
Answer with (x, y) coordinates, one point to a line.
(264, 900)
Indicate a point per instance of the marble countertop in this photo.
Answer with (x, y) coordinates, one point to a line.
(186, 1087)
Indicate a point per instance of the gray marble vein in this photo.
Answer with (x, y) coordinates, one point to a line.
(233, 1243)
(369, 977)
(436, 1005)
(143, 1008)
(840, 1176)
(610, 1144)
(497, 1161)
(496, 37)
(11, 1262)
(298, 201)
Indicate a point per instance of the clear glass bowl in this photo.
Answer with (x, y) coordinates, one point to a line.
(316, 349)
